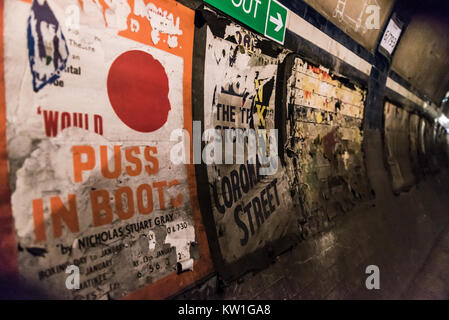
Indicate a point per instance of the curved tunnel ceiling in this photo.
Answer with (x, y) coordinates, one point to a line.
(422, 56)
(351, 15)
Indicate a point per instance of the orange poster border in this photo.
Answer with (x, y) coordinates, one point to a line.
(174, 283)
(160, 289)
(8, 244)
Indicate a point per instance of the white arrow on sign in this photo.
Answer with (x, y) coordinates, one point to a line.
(277, 21)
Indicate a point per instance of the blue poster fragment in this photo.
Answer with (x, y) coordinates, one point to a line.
(47, 46)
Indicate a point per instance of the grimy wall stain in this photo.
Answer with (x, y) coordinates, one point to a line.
(414, 144)
(398, 146)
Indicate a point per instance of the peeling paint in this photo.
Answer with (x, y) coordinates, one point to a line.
(239, 89)
(324, 159)
(87, 188)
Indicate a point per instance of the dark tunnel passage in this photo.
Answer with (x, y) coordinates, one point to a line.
(193, 150)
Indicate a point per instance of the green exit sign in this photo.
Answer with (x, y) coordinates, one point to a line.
(268, 17)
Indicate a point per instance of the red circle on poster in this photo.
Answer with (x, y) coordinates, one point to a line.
(138, 91)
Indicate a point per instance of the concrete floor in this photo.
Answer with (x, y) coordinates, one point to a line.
(432, 281)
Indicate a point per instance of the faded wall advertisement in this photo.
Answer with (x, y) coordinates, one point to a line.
(324, 156)
(93, 91)
(250, 209)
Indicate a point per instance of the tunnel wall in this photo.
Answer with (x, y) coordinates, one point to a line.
(322, 90)
(324, 157)
(398, 147)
